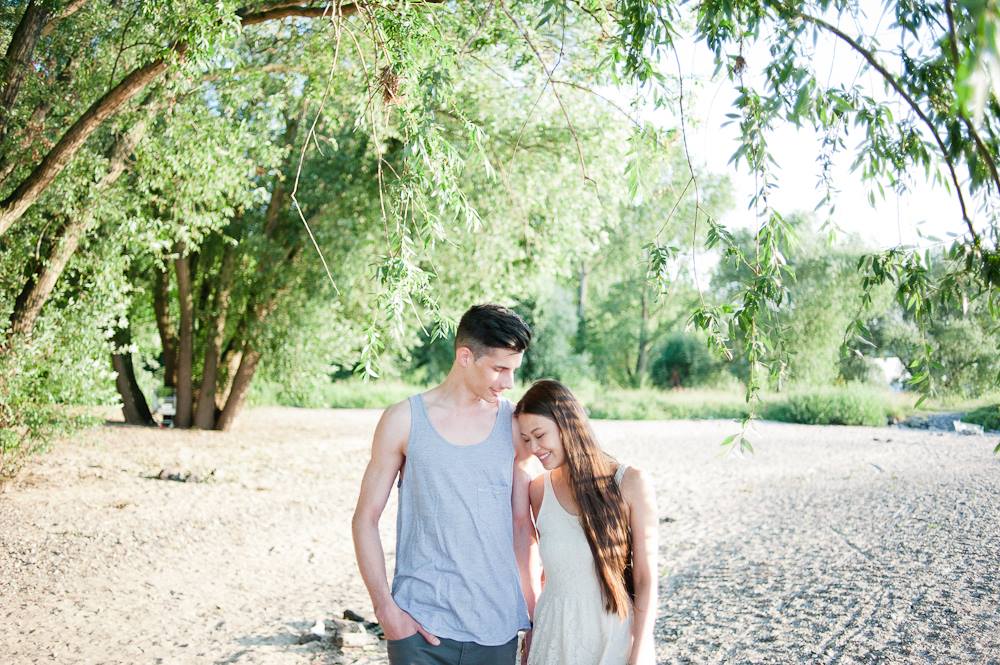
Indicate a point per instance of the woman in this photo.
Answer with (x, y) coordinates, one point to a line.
(597, 525)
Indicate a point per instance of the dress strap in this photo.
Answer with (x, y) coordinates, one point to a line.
(548, 491)
(548, 495)
(620, 473)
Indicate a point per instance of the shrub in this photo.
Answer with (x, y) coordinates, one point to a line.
(348, 394)
(63, 363)
(661, 405)
(987, 416)
(848, 405)
(685, 360)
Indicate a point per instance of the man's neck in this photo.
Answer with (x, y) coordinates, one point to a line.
(454, 393)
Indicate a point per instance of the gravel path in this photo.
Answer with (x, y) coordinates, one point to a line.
(828, 545)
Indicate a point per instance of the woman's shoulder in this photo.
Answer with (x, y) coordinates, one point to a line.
(636, 484)
(536, 489)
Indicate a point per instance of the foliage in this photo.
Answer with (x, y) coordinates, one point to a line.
(650, 404)
(445, 153)
(30, 417)
(638, 285)
(987, 416)
(925, 122)
(942, 327)
(847, 405)
(685, 360)
(554, 324)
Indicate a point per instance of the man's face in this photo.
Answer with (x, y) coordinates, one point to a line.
(492, 373)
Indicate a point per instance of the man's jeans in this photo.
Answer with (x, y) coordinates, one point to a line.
(415, 650)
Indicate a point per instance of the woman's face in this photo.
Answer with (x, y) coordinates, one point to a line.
(541, 435)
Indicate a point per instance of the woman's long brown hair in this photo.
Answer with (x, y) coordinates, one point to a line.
(603, 513)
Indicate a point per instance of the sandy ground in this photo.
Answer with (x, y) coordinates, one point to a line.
(828, 545)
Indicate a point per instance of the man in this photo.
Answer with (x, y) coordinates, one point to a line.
(464, 537)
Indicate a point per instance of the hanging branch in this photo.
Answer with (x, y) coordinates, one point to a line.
(983, 150)
(548, 80)
(891, 80)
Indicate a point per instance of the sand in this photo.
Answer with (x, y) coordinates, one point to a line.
(830, 544)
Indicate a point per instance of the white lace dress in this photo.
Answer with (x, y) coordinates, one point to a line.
(571, 626)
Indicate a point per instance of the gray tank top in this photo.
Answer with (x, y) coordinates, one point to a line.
(455, 568)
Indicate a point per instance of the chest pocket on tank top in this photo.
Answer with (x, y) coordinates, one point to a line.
(491, 499)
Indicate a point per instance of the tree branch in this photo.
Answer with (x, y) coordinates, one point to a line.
(983, 150)
(283, 10)
(71, 8)
(17, 59)
(22, 198)
(31, 188)
(891, 80)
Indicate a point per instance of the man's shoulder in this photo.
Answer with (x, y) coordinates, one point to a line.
(397, 411)
(395, 421)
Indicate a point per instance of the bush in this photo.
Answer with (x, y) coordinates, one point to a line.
(555, 327)
(685, 360)
(848, 405)
(662, 405)
(64, 363)
(349, 394)
(987, 416)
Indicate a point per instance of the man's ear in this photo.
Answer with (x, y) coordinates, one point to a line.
(464, 356)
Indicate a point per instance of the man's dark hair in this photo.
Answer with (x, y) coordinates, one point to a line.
(486, 327)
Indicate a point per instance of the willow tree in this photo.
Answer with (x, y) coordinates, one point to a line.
(120, 66)
(937, 113)
(369, 195)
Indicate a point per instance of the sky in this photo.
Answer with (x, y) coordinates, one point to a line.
(894, 220)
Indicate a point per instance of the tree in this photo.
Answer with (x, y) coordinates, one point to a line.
(942, 75)
(397, 73)
(641, 281)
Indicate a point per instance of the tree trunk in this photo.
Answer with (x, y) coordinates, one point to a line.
(205, 413)
(186, 342)
(134, 406)
(642, 358)
(168, 337)
(14, 206)
(38, 288)
(231, 360)
(35, 126)
(241, 385)
(36, 291)
(581, 308)
(17, 61)
(27, 193)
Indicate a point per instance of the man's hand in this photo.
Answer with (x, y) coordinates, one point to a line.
(398, 625)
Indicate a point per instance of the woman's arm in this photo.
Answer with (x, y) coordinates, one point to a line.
(536, 575)
(525, 535)
(637, 489)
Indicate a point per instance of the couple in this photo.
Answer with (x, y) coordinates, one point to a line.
(472, 516)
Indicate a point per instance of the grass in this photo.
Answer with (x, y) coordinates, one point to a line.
(832, 405)
(835, 405)
(624, 403)
(651, 404)
(349, 394)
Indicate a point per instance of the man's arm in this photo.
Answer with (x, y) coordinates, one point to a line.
(388, 446)
(525, 536)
